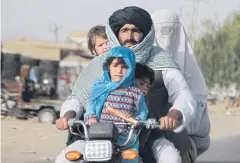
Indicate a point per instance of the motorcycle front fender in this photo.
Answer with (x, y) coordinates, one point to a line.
(76, 146)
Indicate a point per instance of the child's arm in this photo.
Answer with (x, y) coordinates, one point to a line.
(142, 110)
(90, 113)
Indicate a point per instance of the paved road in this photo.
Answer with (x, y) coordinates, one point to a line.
(224, 150)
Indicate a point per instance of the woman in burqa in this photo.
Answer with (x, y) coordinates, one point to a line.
(172, 37)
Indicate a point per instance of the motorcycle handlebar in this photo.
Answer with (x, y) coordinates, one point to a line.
(72, 121)
(149, 124)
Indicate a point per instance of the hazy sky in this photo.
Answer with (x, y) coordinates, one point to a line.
(33, 18)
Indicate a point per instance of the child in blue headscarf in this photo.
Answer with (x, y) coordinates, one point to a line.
(117, 89)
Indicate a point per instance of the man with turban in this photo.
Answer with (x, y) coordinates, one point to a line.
(133, 27)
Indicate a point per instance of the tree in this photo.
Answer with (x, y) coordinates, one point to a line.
(218, 51)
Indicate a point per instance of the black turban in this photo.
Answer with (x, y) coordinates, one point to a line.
(131, 15)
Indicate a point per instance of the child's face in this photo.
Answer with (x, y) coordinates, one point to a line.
(101, 45)
(143, 84)
(117, 69)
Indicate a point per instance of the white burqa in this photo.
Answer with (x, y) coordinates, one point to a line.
(172, 37)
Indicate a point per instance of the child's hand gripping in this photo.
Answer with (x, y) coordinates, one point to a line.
(91, 121)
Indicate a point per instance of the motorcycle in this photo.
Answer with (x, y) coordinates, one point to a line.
(99, 142)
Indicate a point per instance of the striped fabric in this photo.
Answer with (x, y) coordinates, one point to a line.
(124, 101)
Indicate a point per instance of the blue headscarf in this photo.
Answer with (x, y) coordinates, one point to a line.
(103, 87)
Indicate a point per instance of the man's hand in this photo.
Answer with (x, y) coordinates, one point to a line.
(170, 121)
(91, 121)
(62, 123)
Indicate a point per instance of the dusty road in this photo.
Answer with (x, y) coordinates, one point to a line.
(30, 141)
(225, 136)
(24, 141)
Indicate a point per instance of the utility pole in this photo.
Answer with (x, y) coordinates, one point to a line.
(195, 12)
(180, 13)
(55, 31)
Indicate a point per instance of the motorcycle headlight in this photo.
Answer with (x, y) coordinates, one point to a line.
(98, 150)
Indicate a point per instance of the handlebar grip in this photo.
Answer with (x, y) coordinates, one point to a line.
(121, 115)
(71, 121)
